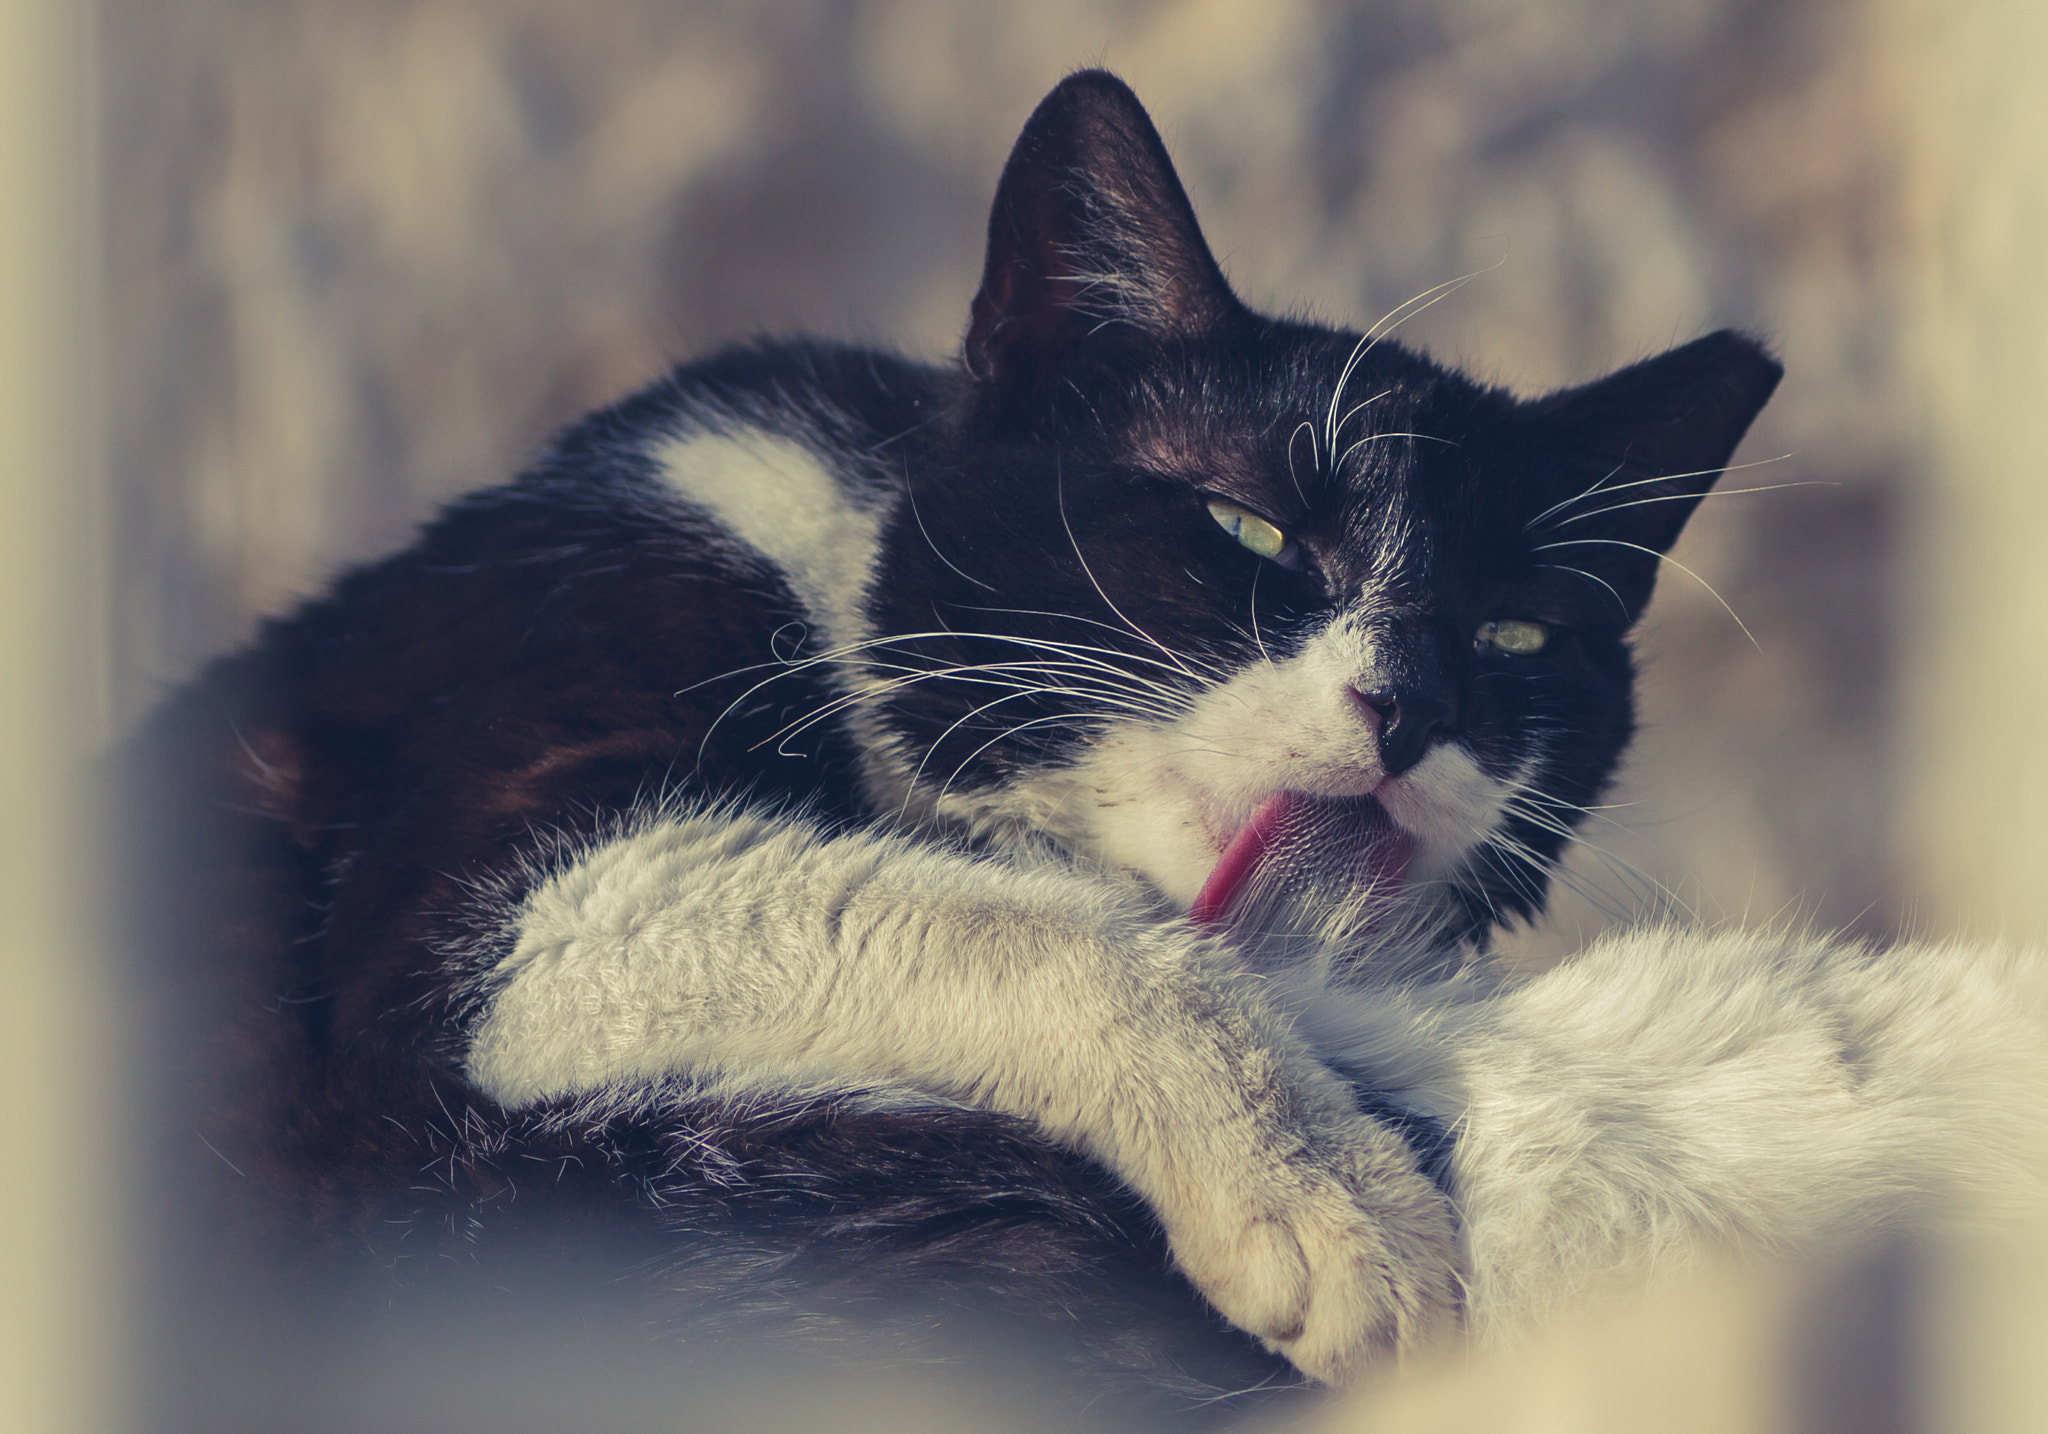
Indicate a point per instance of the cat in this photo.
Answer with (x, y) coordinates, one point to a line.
(852, 835)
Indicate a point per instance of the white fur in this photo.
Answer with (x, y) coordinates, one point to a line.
(732, 941)
(1164, 798)
(775, 495)
(1671, 1092)
(1665, 1094)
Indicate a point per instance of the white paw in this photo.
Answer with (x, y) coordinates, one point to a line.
(1339, 1257)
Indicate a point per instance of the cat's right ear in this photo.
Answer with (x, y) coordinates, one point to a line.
(1091, 231)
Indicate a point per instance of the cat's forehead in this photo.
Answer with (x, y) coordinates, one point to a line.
(1330, 428)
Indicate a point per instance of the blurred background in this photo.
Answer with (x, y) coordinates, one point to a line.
(353, 257)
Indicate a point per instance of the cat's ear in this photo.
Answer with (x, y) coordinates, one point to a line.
(1641, 448)
(1090, 231)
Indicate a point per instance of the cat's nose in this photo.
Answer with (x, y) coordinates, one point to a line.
(1404, 718)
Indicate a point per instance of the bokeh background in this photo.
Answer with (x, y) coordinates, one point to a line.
(357, 256)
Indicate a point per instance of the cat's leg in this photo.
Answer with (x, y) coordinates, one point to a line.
(730, 941)
(1672, 1092)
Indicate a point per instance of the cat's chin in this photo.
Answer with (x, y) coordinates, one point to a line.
(1296, 841)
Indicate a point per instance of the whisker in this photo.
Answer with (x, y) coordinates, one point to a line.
(1256, 639)
(1647, 886)
(843, 653)
(910, 497)
(1692, 498)
(1387, 323)
(1593, 578)
(1536, 794)
(972, 673)
(1526, 872)
(1060, 496)
(955, 726)
(1599, 485)
(1215, 669)
(1536, 522)
(1376, 437)
(1315, 460)
(999, 737)
(1344, 377)
(1663, 558)
(1353, 411)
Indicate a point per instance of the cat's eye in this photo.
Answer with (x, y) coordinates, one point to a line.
(1509, 635)
(1256, 533)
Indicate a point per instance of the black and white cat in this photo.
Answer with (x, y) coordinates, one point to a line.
(865, 834)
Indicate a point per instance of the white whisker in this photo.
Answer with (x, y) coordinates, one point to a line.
(1663, 558)
(1061, 498)
(1599, 485)
(1592, 578)
(1376, 437)
(1690, 498)
(910, 497)
(1353, 412)
(1387, 323)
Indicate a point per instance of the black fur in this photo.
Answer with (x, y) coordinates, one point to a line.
(335, 817)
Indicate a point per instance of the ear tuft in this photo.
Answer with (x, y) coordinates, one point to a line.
(1090, 231)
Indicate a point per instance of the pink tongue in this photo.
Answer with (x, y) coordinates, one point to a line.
(1373, 851)
(1242, 857)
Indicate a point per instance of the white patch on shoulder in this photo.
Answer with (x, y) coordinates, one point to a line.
(777, 496)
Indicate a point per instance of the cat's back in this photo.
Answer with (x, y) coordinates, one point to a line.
(629, 623)
(721, 521)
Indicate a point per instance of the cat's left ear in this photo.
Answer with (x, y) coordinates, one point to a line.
(1641, 448)
(1091, 232)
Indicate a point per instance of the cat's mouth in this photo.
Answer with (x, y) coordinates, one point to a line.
(1296, 844)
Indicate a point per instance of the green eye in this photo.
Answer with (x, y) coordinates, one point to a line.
(1519, 638)
(1252, 531)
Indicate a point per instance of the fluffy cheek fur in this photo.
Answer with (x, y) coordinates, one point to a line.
(1165, 798)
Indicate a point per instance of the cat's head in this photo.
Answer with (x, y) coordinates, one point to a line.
(1258, 608)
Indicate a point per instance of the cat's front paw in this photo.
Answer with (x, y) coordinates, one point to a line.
(1340, 1257)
